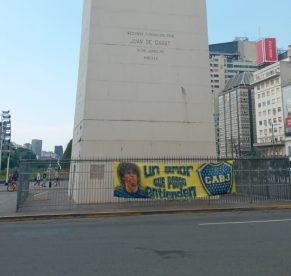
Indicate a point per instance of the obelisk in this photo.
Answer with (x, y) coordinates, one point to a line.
(144, 81)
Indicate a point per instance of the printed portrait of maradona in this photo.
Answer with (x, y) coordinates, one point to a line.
(129, 178)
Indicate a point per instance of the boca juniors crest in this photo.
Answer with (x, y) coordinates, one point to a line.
(216, 178)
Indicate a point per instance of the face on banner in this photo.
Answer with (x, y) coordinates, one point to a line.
(172, 181)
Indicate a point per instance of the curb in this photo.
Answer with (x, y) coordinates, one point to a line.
(135, 213)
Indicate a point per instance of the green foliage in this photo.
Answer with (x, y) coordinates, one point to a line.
(67, 156)
(68, 151)
(15, 156)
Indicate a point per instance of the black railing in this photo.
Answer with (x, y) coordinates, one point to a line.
(88, 184)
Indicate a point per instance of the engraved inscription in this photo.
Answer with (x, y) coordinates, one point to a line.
(151, 44)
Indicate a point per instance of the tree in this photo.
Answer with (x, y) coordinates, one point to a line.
(16, 155)
(68, 151)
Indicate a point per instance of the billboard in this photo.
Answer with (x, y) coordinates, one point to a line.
(266, 50)
(286, 91)
(260, 55)
(173, 181)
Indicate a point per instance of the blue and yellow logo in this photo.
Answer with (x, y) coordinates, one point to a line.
(217, 179)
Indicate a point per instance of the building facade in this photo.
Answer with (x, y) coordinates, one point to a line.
(226, 60)
(273, 103)
(36, 147)
(236, 117)
(59, 151)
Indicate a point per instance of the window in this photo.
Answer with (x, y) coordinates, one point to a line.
(279, 109)
(274, 111)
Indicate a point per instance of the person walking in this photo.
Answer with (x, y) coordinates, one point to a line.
(44, 180)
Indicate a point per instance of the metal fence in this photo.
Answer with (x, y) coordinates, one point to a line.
(77, 185)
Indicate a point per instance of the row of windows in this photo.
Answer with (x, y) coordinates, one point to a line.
(268, 102)
(270, 121)
(267, 74)
(267, 84)
(270, 130)
(214, 86)
(268, 93)
(270, 139)
(270, 111)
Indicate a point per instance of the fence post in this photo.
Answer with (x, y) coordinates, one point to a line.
(20, 186)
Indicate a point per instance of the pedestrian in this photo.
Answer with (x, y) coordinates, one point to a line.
(44, 180)
(15, 176)
(56, 176)
(37, 182)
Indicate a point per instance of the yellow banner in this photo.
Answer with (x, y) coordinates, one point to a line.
(173, 181)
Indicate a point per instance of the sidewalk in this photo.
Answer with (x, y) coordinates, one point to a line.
(8, 208)
(7, 202)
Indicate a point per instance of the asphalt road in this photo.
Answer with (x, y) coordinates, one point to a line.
(233, 243)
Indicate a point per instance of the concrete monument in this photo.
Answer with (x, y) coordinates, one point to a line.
(143, 88)
(144, 84)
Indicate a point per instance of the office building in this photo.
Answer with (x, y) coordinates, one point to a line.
(36, 147)
(226, 60)
(59, 151)
(236, 117)
(272, 88)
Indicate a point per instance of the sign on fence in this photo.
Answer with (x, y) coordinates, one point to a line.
(172, 181)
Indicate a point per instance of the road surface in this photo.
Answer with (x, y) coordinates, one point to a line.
(232, 243)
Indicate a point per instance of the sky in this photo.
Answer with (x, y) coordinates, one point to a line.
(39, 56)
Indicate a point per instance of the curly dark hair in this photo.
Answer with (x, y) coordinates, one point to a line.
(125, 167)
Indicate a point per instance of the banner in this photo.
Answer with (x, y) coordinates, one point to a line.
(172, 181)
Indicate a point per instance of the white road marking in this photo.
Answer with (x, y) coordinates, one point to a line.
(244, 222)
